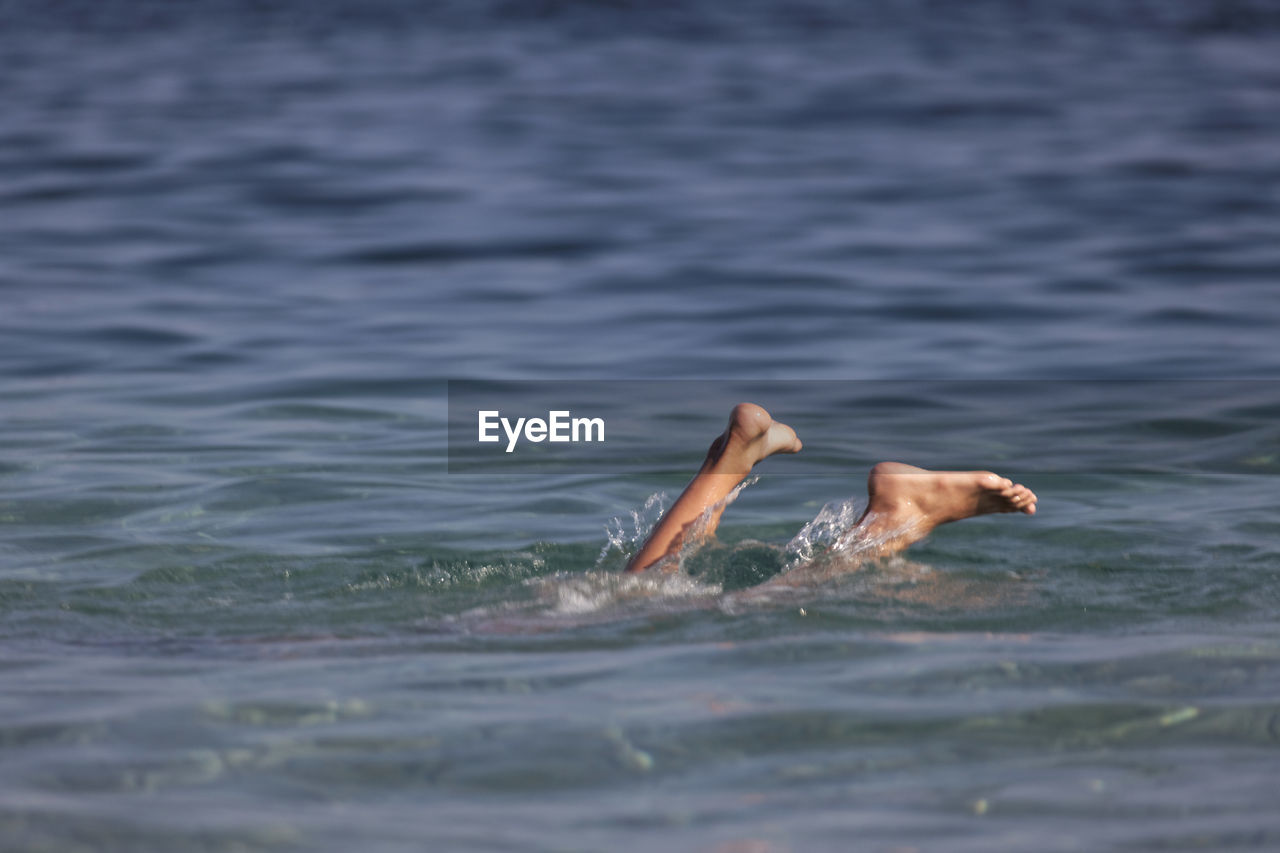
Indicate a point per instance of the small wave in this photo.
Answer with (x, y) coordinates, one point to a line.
(494, 250)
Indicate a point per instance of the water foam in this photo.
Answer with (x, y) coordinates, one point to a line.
(579, 595)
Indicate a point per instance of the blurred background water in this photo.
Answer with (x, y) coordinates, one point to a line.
(244, 604)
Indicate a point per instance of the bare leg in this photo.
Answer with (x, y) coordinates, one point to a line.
(752, 434)
(906, 503)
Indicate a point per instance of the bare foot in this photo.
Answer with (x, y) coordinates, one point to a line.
(752, 435)
(913, 501)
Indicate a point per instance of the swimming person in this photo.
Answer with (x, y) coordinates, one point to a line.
(904, 503)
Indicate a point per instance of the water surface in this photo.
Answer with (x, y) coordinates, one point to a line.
(246, 603)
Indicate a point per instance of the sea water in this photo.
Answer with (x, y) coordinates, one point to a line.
(247, 249)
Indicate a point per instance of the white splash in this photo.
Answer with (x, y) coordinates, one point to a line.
(625, 534)
(840, 532)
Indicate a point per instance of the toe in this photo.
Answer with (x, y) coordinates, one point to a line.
(992, 481)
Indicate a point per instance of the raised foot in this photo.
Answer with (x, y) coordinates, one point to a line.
(752, 435)
(918, 500)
